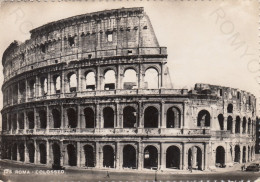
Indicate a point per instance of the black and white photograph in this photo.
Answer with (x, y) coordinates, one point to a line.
(129, 91)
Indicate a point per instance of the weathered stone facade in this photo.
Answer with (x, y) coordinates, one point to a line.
(93, 91)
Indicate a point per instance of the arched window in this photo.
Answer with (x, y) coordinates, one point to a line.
(56, 117)
(31, 88)
(130, 79)
(31, 151)
(14, 152)
(22, 90)
(151, 79)
(203, 118)
(249, 126)
(244, 125)
(72, 118)
(44, 86)
(230, 108)
(195, 158)
(173, 118)
(56, 80)
(30, 116)
(56, 153)
(221, 121)
(43, 153)
(89, 156)
(237, 154)
(129, 157)
(21, 120)
(89, 117)
(110, 80)
(21, 152)
(129, 117)
(244, 155)
(151, 117)
(173, 157)
(150, 157)
(90, 81)
(108, 115)
(220, 156)
(108, 156)
(14, 121)
(237, 128)
(72, 82)
(72, 155)
(43, 118)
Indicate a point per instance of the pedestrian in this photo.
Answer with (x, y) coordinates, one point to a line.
(190, 168)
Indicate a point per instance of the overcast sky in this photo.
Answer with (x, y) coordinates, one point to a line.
(211, 42)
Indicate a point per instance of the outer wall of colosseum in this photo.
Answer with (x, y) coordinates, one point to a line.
(94, 91)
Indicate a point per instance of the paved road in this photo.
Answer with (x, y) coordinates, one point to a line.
(33, 174)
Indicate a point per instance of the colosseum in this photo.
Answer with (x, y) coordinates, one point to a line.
(94, 91)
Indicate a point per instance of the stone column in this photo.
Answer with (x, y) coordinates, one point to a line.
(184, 157)
(241, 154)
(98, 78)
(163, 121)
(162, 75)
(26, 90)
(118, 77)
(118, 151)
(162, 157)
(48, 160)
(37, 87)
(26, 152)
(79, 80)
(18, 93)
(140, 156)
(117, 113)
(62, 156)
(225, 123)
(63, 122)
(98, 117)
(62, 84)
(25, 121)
(49, 91)
(36, 124)
(47, 119)
(140, 114)
(36, 153)
(78, 154)
(206, 156)
(97, 147)
(79, 116)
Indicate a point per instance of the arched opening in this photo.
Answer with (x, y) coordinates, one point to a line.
(244, 155)
(4, 122)
(22, 91)
(129, 117)
(109, 80)
(90, 81)
(89, 156)
(130, 79)
(21, 120)
(14, 152)
(195, 158)
(203, 119)
(56, 81)
(21, 151)
(72, 82)
(237, 128)
(151, 117)
(230, 124)
(15, 93)
(44, 86)
(244, 125)
(56, 117)
(173, 118)
(108, 115)
(43, 153)
(9, 122)
(72, 118)
(108, 156)
(221, 121)
(150, 157)
(31, 151)
(31, 88)
(173, 157)
(230, 108)
(14, 121)
(129, 157)
(220, 156)
(56, 154)
(72, 155)
(43, 118)
(151, 79)
(237, 154)
(249, 126)
(30, 116)
(89, 117)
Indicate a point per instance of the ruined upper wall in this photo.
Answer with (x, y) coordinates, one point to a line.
(118, 32)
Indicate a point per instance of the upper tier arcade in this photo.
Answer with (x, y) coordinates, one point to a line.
(111, 33)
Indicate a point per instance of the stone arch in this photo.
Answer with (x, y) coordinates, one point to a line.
(130, 79)
(151, 78)
(150, 157)
(221, 121)
(31, 152)
(32, 88)
(90, 78)
(151, 117)
(195, 158)
(72, 155)
(173, 118)
(203, 119)
(237, 154)
(129, 156)
(237, 127)
(22, 90)
(244, 125)
(220, 156)
(43, 153)
(43, 119)
(30, 116)
(72, 118)
(108, 156)
(230, 124)
(21, 150)
(230, 108)
(89, 156)
(129, 117)
(56, 117)
(173, 156)
(109, 79)
(57, 83)
(72, 80)
(44, 86)
(108, 115)
(89, 117)
(14, 151)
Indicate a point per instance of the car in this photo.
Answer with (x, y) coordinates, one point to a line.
(253, 167)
